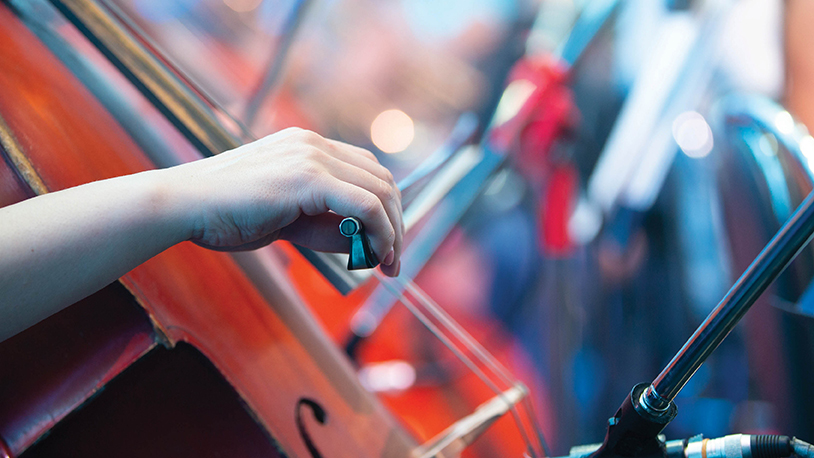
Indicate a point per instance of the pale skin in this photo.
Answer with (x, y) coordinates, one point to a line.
(294, 185)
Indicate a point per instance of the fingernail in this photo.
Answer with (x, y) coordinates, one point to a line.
(389, 258)
(398, 268)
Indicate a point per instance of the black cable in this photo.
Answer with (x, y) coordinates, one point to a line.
(770, 446)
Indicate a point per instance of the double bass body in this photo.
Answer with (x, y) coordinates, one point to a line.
(298, 390)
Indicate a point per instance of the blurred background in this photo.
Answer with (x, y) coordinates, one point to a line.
(650, 148)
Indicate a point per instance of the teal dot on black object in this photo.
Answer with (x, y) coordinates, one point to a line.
(348, 227)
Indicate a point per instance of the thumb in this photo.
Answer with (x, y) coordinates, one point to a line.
(320, 233)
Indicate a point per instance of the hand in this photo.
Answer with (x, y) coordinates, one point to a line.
(293, 185)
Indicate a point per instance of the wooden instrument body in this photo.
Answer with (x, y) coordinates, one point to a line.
(272, 353)
(444, 390)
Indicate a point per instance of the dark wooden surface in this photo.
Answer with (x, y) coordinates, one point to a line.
(51, 368)
(170, 404)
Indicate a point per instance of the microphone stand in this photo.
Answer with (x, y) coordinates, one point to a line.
(635, 428)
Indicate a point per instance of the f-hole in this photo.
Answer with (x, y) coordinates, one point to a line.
(320, 415)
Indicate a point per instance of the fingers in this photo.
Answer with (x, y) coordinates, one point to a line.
(348, 199)
(318, 233)
(346, 180)
(353, 155)
(363, 159)
(387, 194)
(360, 167)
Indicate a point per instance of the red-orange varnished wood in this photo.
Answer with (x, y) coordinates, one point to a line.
(274, 354)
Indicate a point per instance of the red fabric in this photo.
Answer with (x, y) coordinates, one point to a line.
(555, 211)
(549, 103)
(546, 117)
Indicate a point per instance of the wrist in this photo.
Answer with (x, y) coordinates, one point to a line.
(169, 205)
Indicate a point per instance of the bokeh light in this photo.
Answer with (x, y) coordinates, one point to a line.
(784, 122)
(392, 131)
(692, 134)
(387, 376)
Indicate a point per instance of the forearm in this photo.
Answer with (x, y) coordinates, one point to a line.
(60, 247)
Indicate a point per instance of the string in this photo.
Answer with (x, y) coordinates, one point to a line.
(453, 326)
(457, 352)
(478, 349)
(472, 345)
(483, 354)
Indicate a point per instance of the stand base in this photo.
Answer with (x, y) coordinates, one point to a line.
(634, 430)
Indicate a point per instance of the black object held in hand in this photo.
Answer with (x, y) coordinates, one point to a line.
(361, 256)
